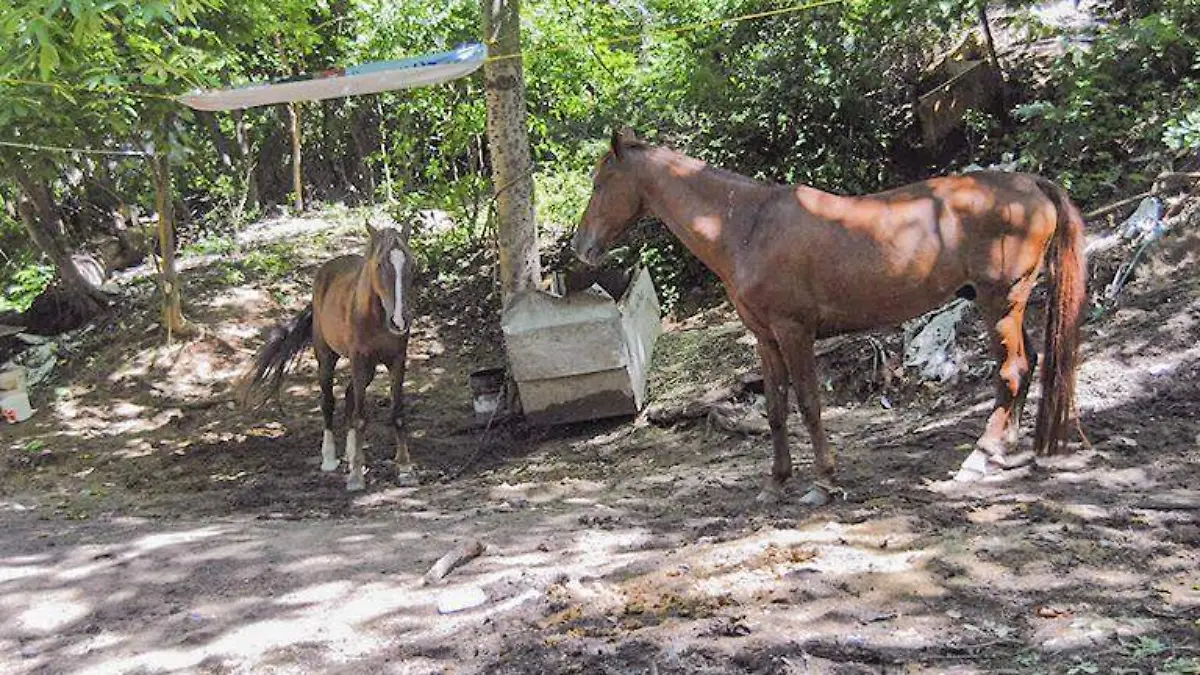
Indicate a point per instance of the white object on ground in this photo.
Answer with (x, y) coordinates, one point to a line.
(932, 347)
(459, 599)
(14, 407)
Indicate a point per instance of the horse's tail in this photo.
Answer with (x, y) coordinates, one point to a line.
(1067, 280)
(284, 344)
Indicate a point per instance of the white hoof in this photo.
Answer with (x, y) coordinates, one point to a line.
(974, 467)
(980, 466)
(328, 452)
(355, 484)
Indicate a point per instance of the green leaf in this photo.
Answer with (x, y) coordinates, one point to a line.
(47, 60)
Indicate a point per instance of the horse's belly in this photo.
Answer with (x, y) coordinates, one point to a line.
(887, 302)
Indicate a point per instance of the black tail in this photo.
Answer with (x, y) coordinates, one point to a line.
(284, 344)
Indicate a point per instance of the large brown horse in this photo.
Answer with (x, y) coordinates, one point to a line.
(800, 264)
(361, 309)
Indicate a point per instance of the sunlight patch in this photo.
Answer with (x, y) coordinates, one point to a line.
(52, 611)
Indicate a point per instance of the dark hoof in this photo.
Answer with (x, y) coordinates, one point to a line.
(772, 493)
(406, 476)
(817, 495)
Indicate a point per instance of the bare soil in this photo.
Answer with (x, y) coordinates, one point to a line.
(147, 526)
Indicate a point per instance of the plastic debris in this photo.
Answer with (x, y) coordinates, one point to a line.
(1143, 228)
(38, 360)
(929, 343)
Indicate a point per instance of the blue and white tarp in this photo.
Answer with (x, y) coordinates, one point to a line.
(368, 78)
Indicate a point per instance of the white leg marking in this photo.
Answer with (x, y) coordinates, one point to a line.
(329, 460)
(354, 458)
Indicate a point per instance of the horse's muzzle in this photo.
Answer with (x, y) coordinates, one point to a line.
(587, 249)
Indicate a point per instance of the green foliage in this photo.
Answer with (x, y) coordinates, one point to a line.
(822, 97)
(1183, 133)
(1112, 101)
(23, 279)
(561, 198)
(211, 246)
(269, 263)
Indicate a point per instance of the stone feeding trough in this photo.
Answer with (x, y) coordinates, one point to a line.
(581, 350)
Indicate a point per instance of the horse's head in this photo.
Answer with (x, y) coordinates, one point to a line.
(390, 266)
(616, 201)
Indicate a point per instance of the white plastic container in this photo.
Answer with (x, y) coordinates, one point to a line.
(583, 356)
(14, 406)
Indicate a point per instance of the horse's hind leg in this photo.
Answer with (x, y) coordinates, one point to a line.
(404, 467)
(363, 371)
(1013, 436)
(1005, 313)
(326, 363)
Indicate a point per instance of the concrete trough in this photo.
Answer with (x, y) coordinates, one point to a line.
(582, 355)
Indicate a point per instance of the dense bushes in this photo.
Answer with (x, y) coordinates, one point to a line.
(821, 96)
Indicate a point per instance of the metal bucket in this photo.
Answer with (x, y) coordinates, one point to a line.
(487, 389)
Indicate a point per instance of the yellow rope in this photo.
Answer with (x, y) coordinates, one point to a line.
(78, 87)
(86, 151)
(669, 31)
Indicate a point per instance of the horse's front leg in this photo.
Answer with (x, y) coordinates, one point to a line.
(363, 371)
(797, 344)
(775, 386)
(405, 471)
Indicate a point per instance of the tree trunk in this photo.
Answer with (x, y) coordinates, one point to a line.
(508, 139)
(172, 308)
(245, 158)
(1000, 104)
(42, 219)
(386, 152)
(293, 111)
(987, 37)
(209, 121)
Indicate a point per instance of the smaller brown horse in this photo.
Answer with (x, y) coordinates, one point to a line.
(361, 309)
(800, 264)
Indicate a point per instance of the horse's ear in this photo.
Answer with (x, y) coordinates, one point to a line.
(370, 228)
(616, 144)
(624, 138)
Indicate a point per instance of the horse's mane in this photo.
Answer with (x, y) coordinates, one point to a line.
(704, 166)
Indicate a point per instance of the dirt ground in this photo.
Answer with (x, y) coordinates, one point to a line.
(146, 526)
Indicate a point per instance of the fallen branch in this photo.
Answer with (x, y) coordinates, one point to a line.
(455, 558)
(738, 419)
(1178, 207)
(1155, 189)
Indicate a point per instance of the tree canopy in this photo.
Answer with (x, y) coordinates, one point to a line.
(822, 95)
